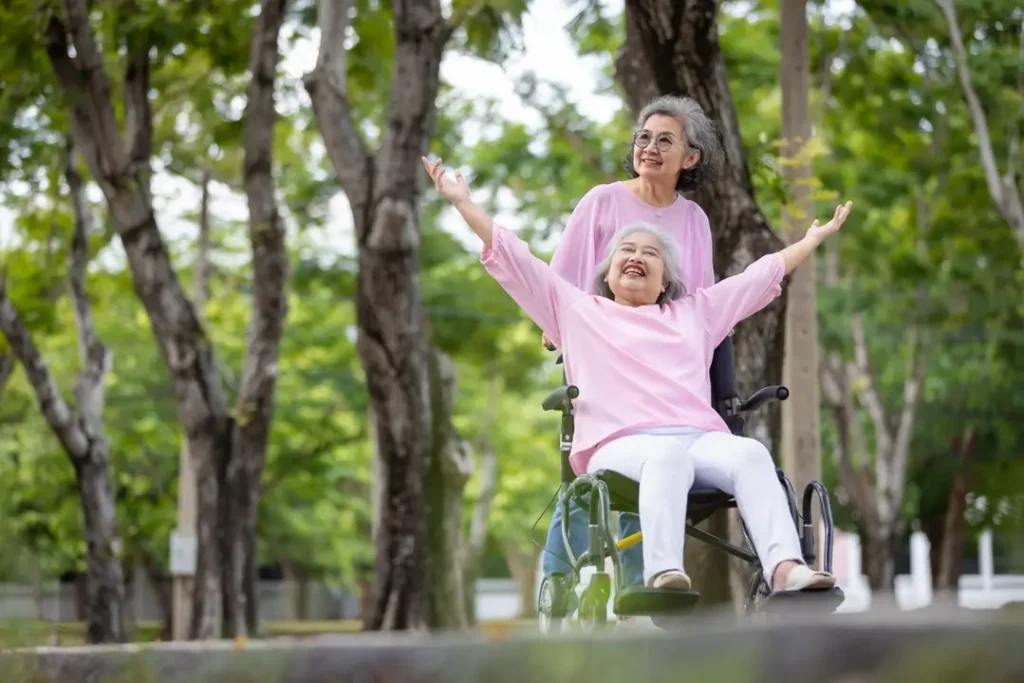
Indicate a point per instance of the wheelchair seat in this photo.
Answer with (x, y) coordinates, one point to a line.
(624, 493)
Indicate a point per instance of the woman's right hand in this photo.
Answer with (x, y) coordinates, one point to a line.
(454, 189)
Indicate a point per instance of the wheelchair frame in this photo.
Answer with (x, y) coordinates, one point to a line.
(609, 489)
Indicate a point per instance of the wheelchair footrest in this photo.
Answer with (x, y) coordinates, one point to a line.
(824, 601)
(642, 601)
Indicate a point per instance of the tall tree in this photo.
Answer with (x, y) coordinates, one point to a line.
(383, 189)
(80, 431)
(801, 439)
(254, 409)
(119, 161)
(671, 47)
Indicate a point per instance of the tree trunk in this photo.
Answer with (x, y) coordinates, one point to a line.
(295, 584)
(161, 583)
(449, 467)
(476, 539)
(81, 433)
(881, 548)
(710, 567)
(800, 452)
(254, 409)
(677, 42)
(383, 190)
(120, 166)
(522, 564)
(951, 554)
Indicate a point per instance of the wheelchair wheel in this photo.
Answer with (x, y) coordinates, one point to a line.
(551, 604)
(593, 609)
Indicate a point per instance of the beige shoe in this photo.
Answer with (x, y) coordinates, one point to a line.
(673, 579)
(803, 578)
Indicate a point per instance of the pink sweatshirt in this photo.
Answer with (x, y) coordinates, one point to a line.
(636, 368)
(606, 209)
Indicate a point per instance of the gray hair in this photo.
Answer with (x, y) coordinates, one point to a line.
(701, 136)
(673, 278)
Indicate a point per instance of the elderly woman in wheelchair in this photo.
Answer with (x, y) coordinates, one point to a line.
(637, 356)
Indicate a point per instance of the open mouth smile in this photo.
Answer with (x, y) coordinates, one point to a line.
(634, 269)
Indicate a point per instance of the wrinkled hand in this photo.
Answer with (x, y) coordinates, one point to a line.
(820, 232)
(454, 189)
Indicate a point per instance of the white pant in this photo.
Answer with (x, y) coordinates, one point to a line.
(668, 466)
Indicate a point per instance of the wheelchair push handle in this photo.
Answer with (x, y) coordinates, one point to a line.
(561, 398)
(762, 396)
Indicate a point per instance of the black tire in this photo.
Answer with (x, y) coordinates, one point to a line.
(593, 609)
(551, 604)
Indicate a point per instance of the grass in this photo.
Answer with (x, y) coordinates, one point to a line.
(31, 633)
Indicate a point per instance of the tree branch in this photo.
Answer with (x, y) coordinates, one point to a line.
(1003, 190)
(421, 32)
(137, 111)
(86, 90)
(328, 91)
(96, 358)
(53, 407)
(6, 370)
(864, 386)
(90, 65)
(911, 399)
(203, 266)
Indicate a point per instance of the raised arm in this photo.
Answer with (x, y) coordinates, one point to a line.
(722, 306)
(528, 280)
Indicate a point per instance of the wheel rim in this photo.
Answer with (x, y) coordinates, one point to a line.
(593, 613)
(546, 605)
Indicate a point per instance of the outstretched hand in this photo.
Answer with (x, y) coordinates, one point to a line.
(454, 189)
(820, 232)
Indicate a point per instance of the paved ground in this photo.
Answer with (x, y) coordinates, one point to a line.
(931, 645)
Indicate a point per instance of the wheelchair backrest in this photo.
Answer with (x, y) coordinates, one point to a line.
(723, 375)
(724, 389)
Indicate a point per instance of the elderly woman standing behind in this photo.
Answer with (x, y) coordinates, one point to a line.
(674, 146)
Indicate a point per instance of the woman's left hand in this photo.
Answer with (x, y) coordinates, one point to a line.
(820, 232)
(454, 189)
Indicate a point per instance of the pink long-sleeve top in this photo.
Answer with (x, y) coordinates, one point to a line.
(637, 368)
(606, 209)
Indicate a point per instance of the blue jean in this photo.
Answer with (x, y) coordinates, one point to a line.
(556, 559)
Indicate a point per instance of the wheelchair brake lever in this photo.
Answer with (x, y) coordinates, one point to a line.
(762, 396)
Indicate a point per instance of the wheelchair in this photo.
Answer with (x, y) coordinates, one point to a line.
(605, 491)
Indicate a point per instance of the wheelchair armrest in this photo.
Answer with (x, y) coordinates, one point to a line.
(561, 398)
(762, 396)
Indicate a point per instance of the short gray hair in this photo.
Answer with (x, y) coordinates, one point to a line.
(701, 135)
(673, 278)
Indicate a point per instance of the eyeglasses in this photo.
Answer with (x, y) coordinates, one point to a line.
(643, 138)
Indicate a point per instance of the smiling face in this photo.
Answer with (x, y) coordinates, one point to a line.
(661, 151)
(636, 274)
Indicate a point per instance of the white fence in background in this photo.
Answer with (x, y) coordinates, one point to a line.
(499, 598)
(985, 590)
(496, 599)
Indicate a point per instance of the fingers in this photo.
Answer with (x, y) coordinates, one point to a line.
(432, 168)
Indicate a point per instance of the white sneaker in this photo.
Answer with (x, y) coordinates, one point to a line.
(674, 579)
(803, 578)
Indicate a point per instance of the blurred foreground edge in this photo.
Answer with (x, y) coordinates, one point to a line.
(925, 645)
